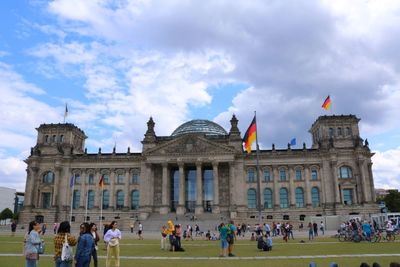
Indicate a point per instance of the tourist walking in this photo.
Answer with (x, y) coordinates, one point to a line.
(322, 227)
(85, 247)
(32, 243)
(140, 232)
(112, 238)
(96, 238)
(231, 238)
(63, 233)
(13, 228)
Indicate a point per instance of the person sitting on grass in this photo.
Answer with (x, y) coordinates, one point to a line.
(264, 243)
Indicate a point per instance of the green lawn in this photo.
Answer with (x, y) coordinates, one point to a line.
(243, 248)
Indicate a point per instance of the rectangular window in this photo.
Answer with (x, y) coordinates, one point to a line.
(298, 175)
(91, 178)
(106, 181)
(251, 176)
(282, 175)
(314, 175)
(46, 200)
(348, 196)
(120, 178)
(135, 178)
(267, 176)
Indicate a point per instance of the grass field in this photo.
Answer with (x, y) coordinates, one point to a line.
(342, 253)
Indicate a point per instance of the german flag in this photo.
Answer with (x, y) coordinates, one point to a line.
(327, 103)
(101, 183)
(250, 135)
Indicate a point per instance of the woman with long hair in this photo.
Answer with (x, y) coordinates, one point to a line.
(85, 247)
(96, 238)
(32, 243)
(112, 238)
(64, 230)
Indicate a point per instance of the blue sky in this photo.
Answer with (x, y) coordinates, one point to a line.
(116, 63)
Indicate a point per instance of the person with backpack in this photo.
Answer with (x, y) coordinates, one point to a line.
(231, 237)
(223, 235)
(32, 242)
(63, 234)
(85, 247)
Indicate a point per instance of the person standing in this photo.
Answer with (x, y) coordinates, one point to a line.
(140, 232)
(170, 231)
(231, 238)
(96, 238)
(64, 230)
(310, 231)
(13, 228)
(164, 235)
(112, 238)
(367, 230)
(315, 227)
(32, 243)
(131, 226)
(223, 235)
(85, 247)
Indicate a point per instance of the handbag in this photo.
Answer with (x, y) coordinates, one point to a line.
(32, 256)
(41, 247)
(66, 252)
(113, 242)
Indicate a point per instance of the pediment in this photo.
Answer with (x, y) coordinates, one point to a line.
(190, 145)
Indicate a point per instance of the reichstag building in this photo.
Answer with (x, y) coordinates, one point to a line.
(199, 169)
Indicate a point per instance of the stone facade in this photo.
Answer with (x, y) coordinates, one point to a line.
(333, 177)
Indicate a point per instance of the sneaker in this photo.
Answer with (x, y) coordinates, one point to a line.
(231, 255)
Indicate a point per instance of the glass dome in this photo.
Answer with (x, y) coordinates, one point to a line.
(200, 126)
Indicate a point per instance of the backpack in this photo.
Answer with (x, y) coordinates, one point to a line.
(261, 243)
(66, 252)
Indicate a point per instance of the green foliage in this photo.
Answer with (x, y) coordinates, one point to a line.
(392, 201)
(6, 214)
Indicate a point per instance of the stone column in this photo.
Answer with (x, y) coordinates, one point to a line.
(215, 208)
(29, 186)
(112, 188)
(277, 201)
(335, 182)
(56, 186)
(199, 189)
(292, 189)
(164, 196)
(98, 192)
(84, 193)
(363, 181)
(232, 200)
(126, 189)
(181, 204)
(307, 178)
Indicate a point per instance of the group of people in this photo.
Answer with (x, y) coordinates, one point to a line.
(313, 229)
(86, 245)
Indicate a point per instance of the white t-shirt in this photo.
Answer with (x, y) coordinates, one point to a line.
(140, 227)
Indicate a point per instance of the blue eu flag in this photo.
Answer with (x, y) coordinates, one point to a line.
(293, 142)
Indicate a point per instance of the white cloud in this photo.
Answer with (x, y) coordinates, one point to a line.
(386, 167)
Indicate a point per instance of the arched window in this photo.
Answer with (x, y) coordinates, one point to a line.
(339, 131)
(348, 131)
(267, 198)
(76, 199)
(135, 177)
(251, 198)
(46, 139)
(345, 172)
(91, 178)
(91, 196)
(106, 199)
(299, 197)
(286, 217)
(267, 175)
(251, 175)
(283, 196)
(120, 199)
(315, 197)
(120, 178)
(135, 200)
(48, 177)
(282, 175)
(298, 175)
(53, 139)
(314, 174)
(61, 138)
(331, 132)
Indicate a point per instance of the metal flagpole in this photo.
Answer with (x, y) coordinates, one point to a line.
(258, 175)
(101, 210)
(86, 206)
(72, 198)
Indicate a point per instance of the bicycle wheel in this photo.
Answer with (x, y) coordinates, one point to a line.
(342, 237)
(357, 239)
(376, 238)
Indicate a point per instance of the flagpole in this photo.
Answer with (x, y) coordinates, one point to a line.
(101, 210)
(258, 174)
(86, 206)
(72, 199)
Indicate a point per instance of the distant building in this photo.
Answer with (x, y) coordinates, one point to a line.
(7, 196)
(381, 193)
(18, 201)
(200, 169)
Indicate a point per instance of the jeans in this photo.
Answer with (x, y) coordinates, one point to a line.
(31, 263)
(60, 263)
(94, 255)
(83, 261)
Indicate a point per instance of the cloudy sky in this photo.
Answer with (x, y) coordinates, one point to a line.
(116, 63)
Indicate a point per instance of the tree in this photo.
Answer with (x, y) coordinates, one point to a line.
(6, 214)
(392, 201)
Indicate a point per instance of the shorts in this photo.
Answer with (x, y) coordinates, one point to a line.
(139, 232)
(224, 243)
(231, 240)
